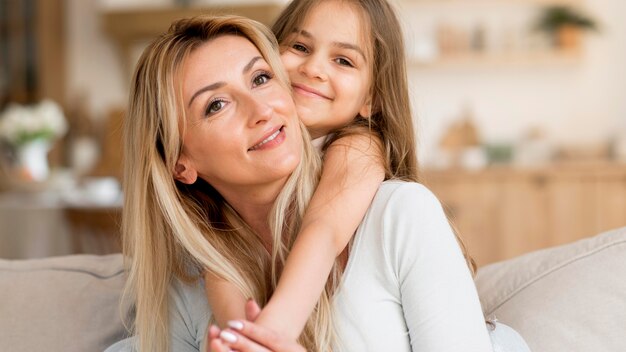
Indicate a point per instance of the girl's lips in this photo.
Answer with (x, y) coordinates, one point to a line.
(308, 91)
(269, 141)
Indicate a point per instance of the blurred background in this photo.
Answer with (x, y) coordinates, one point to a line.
(520, 108)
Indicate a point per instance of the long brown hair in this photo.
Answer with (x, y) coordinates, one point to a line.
(391, 117)
(173, 231)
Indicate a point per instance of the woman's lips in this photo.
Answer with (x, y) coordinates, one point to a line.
(308, 91)
(274, 139)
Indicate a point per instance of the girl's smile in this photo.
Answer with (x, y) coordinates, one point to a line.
(307, 91)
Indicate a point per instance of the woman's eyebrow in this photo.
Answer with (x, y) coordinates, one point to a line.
(218, 85)
(204, 89)
(250, 64)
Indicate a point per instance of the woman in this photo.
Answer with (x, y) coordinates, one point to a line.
(218, 172)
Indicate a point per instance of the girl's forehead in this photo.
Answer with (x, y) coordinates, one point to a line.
(341, 17)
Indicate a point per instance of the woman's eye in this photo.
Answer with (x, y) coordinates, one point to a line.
(299, 47)
(214, 107)
(261, 79)
(343, 61)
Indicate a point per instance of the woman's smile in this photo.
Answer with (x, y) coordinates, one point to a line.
(274, 139)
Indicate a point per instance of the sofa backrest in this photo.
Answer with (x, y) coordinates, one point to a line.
(566, 298)
(61, 303)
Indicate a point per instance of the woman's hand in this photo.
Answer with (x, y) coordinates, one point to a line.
(245, 336)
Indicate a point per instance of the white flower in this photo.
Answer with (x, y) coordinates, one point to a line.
(50, 115)
(21, 124)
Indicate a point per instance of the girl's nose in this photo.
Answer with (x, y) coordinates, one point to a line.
(314, 67)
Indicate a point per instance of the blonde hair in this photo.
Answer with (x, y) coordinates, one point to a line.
(391, 119)
(173, 231)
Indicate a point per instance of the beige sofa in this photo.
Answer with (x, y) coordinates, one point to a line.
(568, 298)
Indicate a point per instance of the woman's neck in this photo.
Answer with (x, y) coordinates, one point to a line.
(254, 206)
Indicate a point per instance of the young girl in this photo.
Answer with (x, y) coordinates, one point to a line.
(345, 60)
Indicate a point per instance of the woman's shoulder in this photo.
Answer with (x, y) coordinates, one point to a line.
(189, 313)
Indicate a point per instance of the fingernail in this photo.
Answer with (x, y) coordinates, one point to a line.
(228, 336)
(235, 324)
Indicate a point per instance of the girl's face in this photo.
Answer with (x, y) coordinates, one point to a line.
(242, 131)
(329, 68)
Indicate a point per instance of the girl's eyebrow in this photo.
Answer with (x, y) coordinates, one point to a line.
(342, 45)
(218, 85)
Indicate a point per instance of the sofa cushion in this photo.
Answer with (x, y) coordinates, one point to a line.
(566, 298)
(61, 303)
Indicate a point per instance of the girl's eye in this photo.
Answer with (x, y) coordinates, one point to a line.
(299, 47)
(214, 107)
(344, 62)
(261, 79)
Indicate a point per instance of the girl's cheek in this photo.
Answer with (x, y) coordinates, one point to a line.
(289, 61)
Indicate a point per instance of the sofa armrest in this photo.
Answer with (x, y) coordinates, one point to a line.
(69, 303)
(566, 298)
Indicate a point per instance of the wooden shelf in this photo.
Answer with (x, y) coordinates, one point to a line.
(492, 2)
(130, 27)
(473, 60)
(134, 25)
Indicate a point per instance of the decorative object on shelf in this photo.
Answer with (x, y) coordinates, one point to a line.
(460, 144)
(30, 131)
(499, 153)
(534, 149)
(564, 25)
(618, 148)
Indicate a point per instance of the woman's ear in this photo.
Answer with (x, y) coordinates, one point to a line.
(184, 171)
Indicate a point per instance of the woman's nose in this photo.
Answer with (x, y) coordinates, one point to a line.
(314, 67)
(260, 111)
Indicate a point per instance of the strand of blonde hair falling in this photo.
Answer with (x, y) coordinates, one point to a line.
(175, 232)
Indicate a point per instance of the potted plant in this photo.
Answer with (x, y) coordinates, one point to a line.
(564, 25)
(30, 131)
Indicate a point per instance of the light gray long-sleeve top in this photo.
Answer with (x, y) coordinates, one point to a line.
(406, 286)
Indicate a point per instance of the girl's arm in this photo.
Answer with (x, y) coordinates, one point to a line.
(351, 174)
(225, 299)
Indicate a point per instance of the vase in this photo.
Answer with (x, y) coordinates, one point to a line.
(32, 159)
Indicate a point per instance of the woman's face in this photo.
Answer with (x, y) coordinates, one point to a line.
(329, 68)
(242, 130)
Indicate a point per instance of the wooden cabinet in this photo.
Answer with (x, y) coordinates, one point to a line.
(505, 212)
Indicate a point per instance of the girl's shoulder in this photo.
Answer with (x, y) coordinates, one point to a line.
(400, 194)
